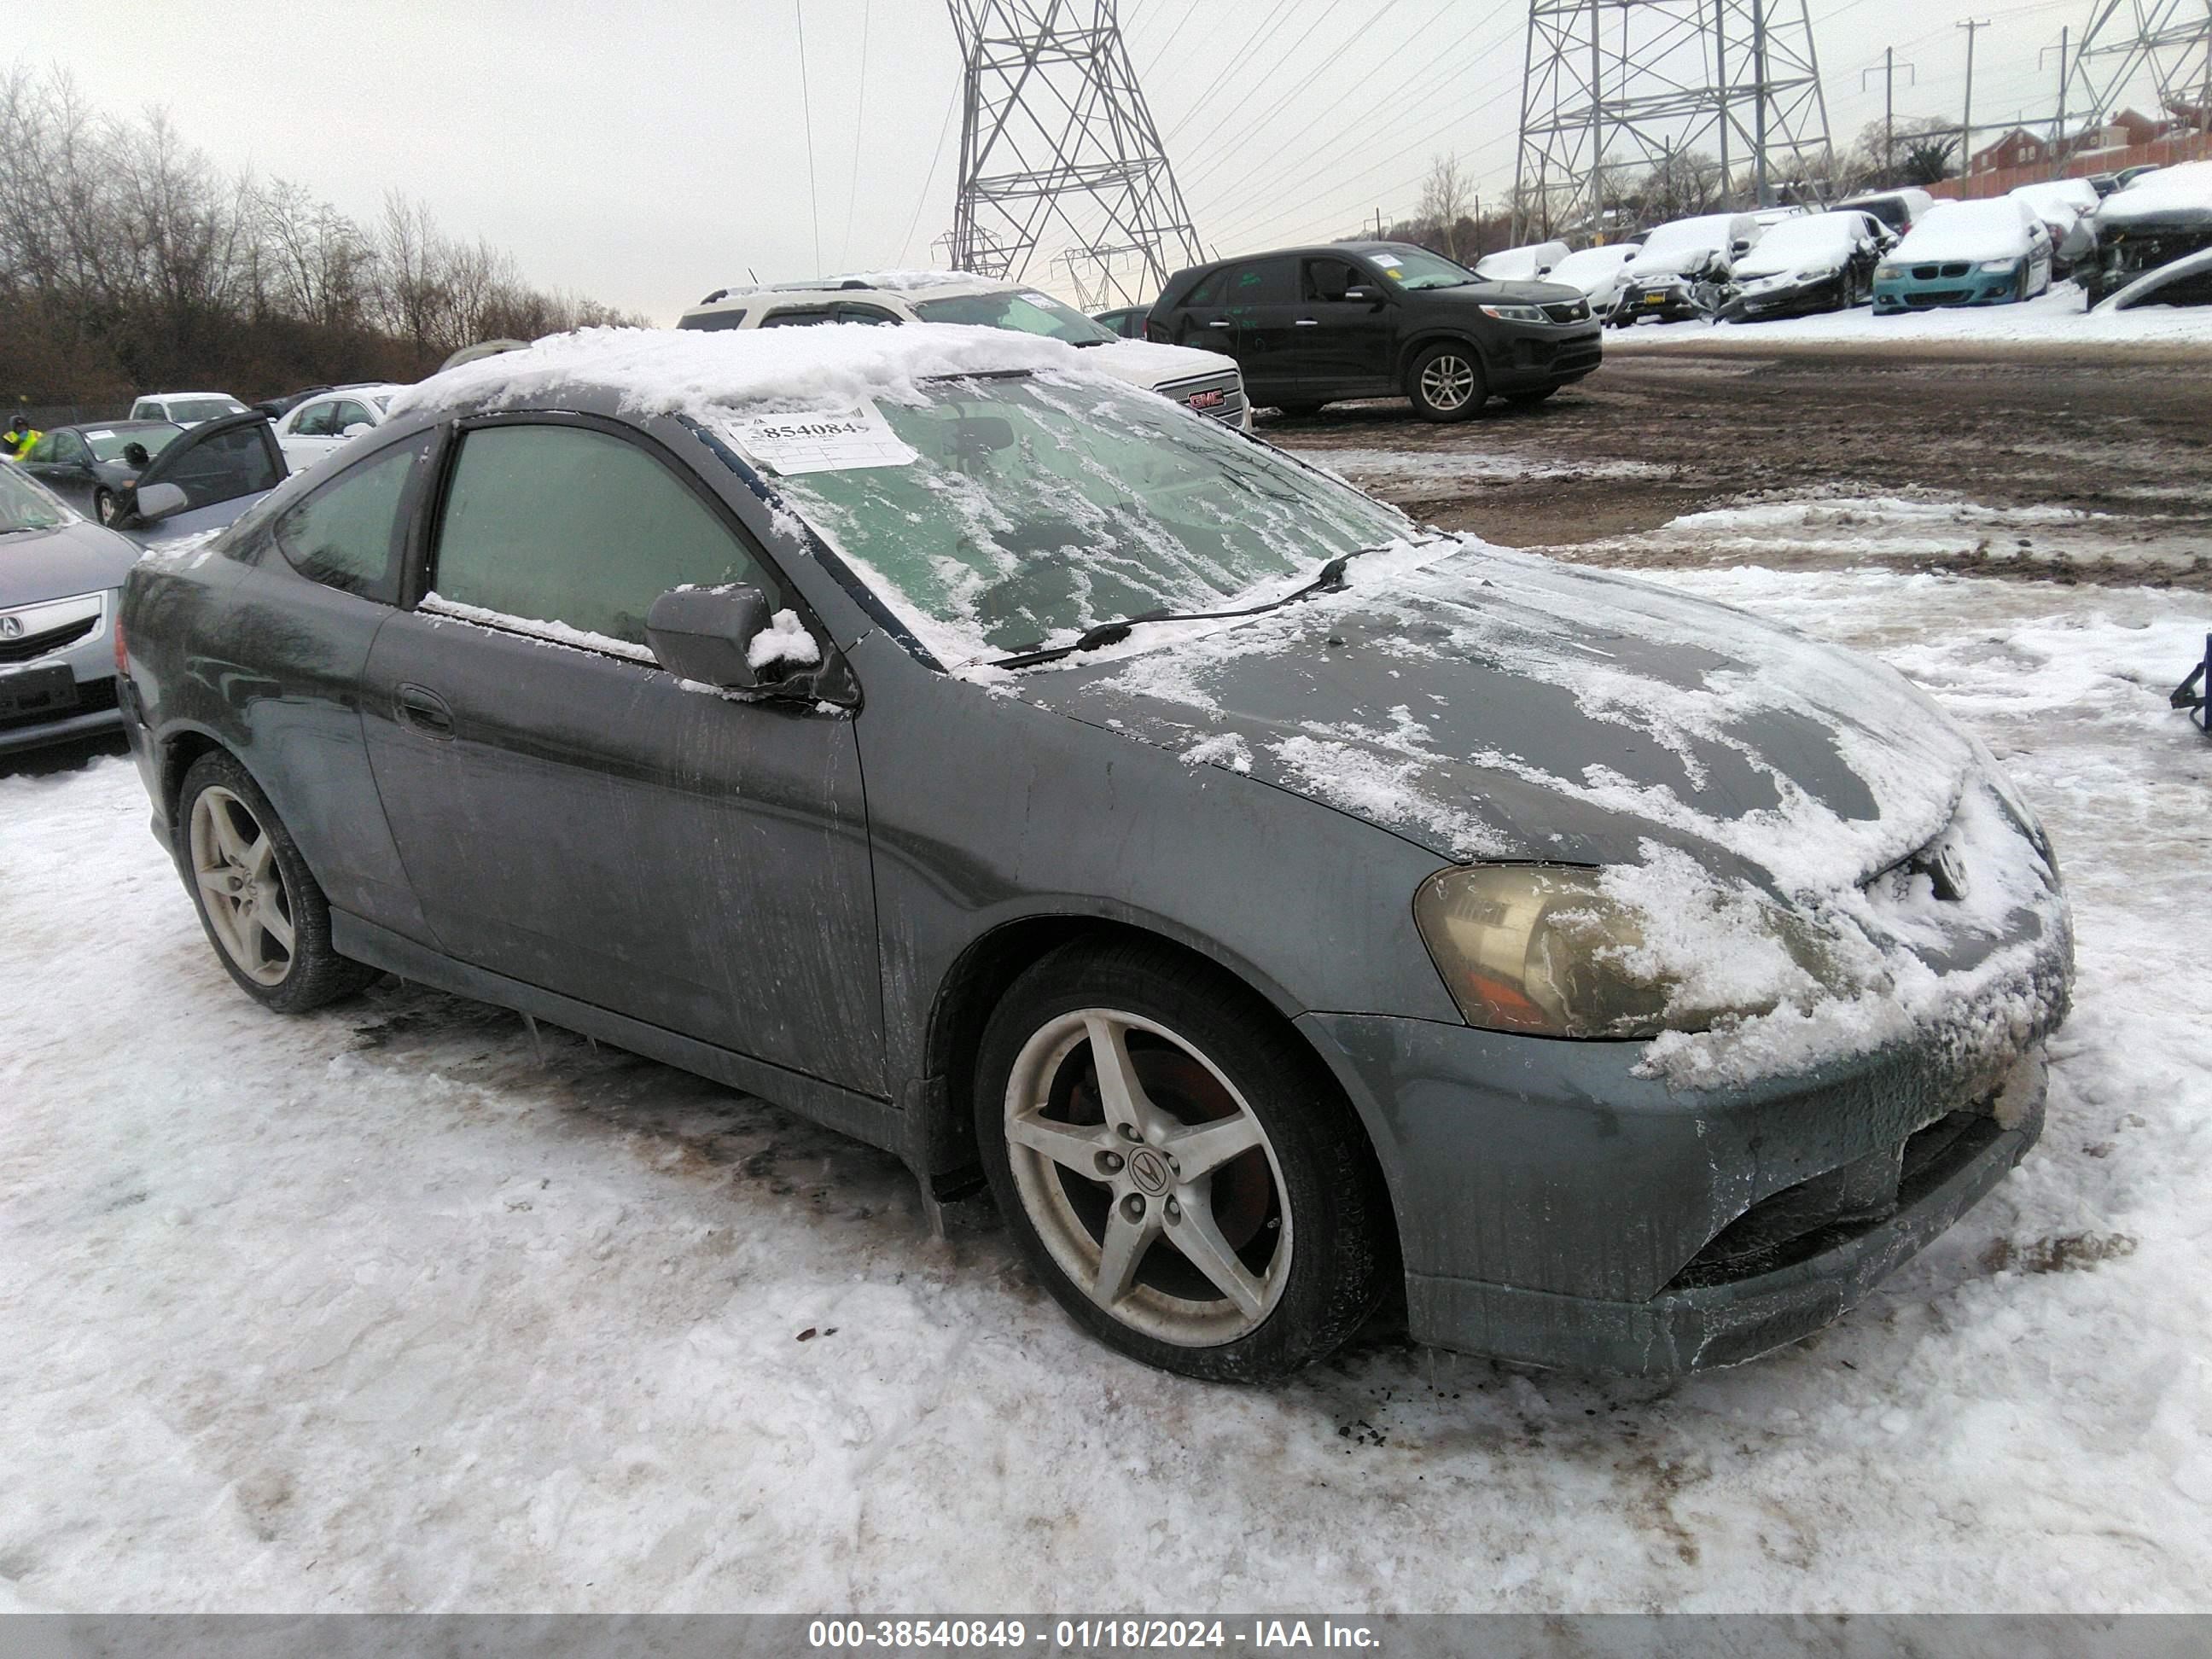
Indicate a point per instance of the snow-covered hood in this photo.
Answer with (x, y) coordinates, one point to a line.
(1149, 364)
(1992, 228)
(78, 558)
(2174, 196)
(1497, 705)
(1669, 262)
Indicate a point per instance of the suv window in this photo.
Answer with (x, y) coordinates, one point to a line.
(564, 523)
(796, 317)
(1209, 289)
(1327, 279)
(850, 312)
(149, 408)
(1264, 283)
(714, 320)
(345, 535)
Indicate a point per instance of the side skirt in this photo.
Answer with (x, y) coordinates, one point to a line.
(864, 1117)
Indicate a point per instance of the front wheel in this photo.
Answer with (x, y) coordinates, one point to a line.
(1446, 383)
(1186, 1181)
(103, 506)
(263, 911)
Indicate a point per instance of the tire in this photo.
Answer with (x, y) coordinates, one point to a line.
(1291, 1213)
(103, 506)
(261, 908)
(1530, 399)
(1446, 383)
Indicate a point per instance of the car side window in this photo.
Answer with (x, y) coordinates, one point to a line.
(314, 420)
(795, 317)
(1264, 282)
(714, 320)
(71, 450)
(565, 524)
(146, 409)
(346, 534)
(224, 467)
(1209, 289)
(1327, 279)
(859, 314)
(348, 414)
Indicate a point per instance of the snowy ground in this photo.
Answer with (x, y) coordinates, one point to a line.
(2058, 316)
(384, 1308)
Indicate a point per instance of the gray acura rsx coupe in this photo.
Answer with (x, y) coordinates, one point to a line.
(1272, 900)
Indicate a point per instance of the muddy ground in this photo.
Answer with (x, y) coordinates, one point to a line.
(2077, 468)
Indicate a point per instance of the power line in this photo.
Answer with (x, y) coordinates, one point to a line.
(945, 127)
(1258, 38)
(806, 112)
(1253, 90)
(860, 103)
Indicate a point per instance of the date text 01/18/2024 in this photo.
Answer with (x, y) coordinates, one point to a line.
(1084, 1635)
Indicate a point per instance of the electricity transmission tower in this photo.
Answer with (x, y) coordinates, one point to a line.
(1057, 146)
(2169, 41)
(1704, 91)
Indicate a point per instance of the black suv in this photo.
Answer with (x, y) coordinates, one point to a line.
(1377, 319)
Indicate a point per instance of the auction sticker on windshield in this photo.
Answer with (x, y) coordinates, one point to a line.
(821, 440)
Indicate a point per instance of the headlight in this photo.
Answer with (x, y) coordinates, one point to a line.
(1888, 273)
(2000, 267)
(1544, 949)
(1516, 313)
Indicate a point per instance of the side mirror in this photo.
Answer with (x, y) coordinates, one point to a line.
(727, 637)
(356, 430)
(158, 500)
(1738, 248)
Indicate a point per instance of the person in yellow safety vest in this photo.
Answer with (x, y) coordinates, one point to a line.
(15, 443)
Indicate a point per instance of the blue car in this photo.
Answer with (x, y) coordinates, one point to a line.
(1986, 252)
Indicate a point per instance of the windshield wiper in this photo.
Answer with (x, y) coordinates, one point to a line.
(1329, 579)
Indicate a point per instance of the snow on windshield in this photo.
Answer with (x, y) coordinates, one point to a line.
(1015, 513)
(1686, 235)
(1819, 236)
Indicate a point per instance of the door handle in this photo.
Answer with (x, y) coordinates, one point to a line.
(425, 710)
(1307, 322)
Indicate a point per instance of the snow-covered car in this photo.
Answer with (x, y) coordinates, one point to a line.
(1900, 210)
(185, 408)
(928, 731)
(2163, 215)
(1990, 251)
(1814, 262)
(313, 429)
(60, 578)
(1530, 264)
(1205, 382)
(1597, 271)
(2183, 281)
(2067, 208)
(1684, 268)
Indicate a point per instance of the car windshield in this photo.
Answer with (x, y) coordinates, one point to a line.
(109, 443)
(1824, 236)
(202, 409)
(1033, 508)
(1687, 235)
(1591, 262)
(25, 505)
(1025, 311)
(1416, 267)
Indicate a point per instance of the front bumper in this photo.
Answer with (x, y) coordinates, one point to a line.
(1789, 299)
(67, 692)
(1952, 286)
(1668, 302)
(1556, 1209)
(1530, 356)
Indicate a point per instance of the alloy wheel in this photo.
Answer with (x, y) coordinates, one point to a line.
(240, 886)
(1447, 382)
(1148, 1177)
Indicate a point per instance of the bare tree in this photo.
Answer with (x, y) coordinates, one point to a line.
(1446, 195)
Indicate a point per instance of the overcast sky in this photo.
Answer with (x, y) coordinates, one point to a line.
(646, 152)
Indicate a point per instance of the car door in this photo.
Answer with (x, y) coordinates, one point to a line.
(571, 816)
(62, 462)
(1263, 307)
(207, 475)
(1342, 344)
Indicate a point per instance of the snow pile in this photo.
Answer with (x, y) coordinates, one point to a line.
(2057, 316)
(784, 640)
(704, 372)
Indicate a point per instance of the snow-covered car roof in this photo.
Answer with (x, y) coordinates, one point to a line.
(1811, 236)
(1992, 227)
(679, 371)
(2184, 192)
(885, 282)
(2078, 196)
(1715, 230)
(1519, 265)
(1608, 257)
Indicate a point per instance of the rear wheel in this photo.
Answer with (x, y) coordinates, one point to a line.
(1185, 1180)
(263, 912)
(103, 506)
(1446, 383)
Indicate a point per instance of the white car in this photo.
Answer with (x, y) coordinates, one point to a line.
(1597, 271)
(2067, 208)
(1684, 269)
(316, 426)
(185, 408)
(1208, 383)
(1521, 264)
